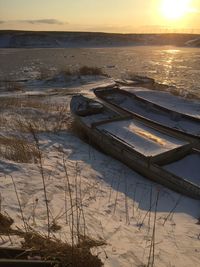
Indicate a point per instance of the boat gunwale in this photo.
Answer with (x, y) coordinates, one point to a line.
(158, 106)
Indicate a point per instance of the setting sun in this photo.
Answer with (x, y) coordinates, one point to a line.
(115, 16)
(175, 9)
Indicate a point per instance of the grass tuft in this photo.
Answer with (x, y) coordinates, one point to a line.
(5, 223)
(53, 248)
(85, 70)
(13, 86)
(18, 150)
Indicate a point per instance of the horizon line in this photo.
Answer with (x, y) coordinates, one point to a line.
(175, 31)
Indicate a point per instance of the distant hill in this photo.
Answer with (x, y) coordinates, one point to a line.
(25, 39)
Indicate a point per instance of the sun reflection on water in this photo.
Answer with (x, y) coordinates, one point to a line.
(172, 51)
(169, 62)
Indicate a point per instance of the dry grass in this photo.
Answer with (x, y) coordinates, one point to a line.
(45, 74)
(17, 149)
(24, 115)
(52, 248)
(5, 223)
(76, 253)
(85, 70)
(43, 115)
(3, 120)
(9, 102)
(13, 86)
(52, 122)
(66, 72)
(23, 102)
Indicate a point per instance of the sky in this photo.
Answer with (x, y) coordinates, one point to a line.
(119, 16)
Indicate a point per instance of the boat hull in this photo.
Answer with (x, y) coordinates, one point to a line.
(136, 162)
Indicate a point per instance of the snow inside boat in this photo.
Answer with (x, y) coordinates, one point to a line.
(153, 153)
(169, 102)
(172, 121)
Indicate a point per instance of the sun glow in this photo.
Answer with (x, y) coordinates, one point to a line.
(175, 9)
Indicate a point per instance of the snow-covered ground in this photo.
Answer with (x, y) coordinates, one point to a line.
(119, 205)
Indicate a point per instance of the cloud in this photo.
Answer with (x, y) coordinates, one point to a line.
(44, 21)
(36, 21)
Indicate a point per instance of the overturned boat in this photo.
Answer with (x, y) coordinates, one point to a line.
(172, 121)
(151, 152)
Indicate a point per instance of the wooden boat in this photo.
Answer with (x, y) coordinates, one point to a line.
(183, 108)
(172, 122)
(143, 148)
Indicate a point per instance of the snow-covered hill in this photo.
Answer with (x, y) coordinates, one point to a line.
(21, 39)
